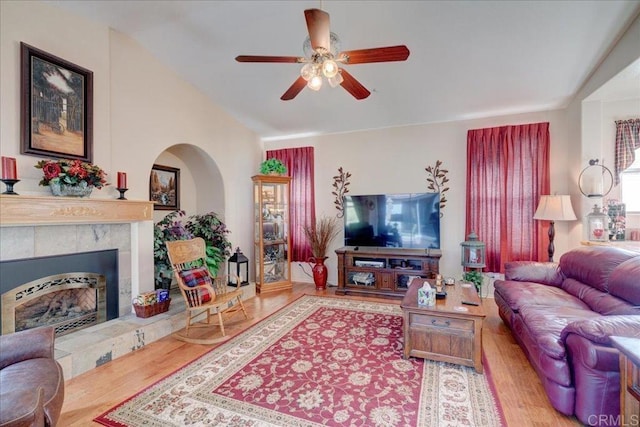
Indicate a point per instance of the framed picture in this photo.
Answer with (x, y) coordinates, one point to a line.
(56, 106)
(164, 188)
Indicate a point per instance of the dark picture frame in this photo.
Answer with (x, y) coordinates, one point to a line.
(56, 106)
(164, 188)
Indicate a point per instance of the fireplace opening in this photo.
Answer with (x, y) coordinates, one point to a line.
(69, 292)
(66, 301)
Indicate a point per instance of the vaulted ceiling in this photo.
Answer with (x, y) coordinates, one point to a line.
(469, 59)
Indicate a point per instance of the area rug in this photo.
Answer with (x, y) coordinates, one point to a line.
(318, 361)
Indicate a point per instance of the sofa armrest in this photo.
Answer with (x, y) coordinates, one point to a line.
(592, 355)
(25, 345)
(547, 273)
(599, 329)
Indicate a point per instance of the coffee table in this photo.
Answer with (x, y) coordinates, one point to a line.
(448, 331)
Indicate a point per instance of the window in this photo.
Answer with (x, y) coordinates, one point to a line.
(630, 185)
(507, 171)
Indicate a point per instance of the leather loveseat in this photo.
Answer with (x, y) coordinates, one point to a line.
(31, 381)
(562, 315)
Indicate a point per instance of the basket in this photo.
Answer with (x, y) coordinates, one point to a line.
(149, 310)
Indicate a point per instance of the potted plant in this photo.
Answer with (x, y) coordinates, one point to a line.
(214, 232)
(474, 277)
(167, 229)
(320, 236)
(272, 167)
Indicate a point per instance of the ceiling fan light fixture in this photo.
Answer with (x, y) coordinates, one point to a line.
(336, 80)
(308, 71)
(315, 83)
(329, 68)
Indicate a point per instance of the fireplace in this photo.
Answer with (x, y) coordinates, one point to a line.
(69, 292)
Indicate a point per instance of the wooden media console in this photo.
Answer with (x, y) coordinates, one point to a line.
(383, 271)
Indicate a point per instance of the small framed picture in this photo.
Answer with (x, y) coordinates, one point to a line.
(56, 106)
(164, 188)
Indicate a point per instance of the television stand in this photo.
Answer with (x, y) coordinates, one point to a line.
(383, 271)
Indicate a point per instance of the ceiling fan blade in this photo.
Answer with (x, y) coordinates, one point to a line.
(318, 26)
(294, 89)
(256, 58)
(353, 86)
(376, 54)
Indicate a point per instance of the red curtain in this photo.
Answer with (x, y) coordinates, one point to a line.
(299, 163)
(507, 172)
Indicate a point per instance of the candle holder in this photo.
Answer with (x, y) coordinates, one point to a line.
(122, 191)
(9, 183)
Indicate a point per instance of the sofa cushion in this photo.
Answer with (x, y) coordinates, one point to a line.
(592, 265)
(546, 273)
(599, 301)
(604, 327)
(546, 323)
(624, 281)
(516, 294)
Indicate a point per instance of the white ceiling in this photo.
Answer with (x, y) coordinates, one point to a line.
(469, 59)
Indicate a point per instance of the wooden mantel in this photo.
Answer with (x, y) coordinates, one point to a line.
(41, 210)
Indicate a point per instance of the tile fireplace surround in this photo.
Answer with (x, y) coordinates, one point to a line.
(34, 226)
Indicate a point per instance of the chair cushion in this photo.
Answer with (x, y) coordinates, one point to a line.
(198, 276)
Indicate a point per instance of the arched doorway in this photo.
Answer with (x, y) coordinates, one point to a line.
(201, 185)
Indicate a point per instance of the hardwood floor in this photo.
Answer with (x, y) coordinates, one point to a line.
(519, 391)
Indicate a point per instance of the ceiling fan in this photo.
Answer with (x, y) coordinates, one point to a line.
(322, 50)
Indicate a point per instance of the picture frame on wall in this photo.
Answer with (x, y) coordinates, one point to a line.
(164, 188)
(56, 106)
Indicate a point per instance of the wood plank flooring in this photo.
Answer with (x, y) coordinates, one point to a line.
(519, 390)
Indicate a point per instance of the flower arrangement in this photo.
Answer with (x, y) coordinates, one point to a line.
(71, 172)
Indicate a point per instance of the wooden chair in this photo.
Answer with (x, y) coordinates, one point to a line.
(203, 293)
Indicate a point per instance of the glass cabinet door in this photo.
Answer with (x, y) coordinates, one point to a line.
(271, 232)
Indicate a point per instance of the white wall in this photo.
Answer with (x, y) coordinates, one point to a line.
(394, 160)
(141, 108)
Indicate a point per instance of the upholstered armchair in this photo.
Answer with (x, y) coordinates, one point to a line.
(31, 381)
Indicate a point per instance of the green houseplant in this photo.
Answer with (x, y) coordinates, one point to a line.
(168, 229)
(214, 232)
(272, 166)
(208, 226)
(474, 277)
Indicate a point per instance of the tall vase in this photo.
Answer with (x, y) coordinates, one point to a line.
(320, 272)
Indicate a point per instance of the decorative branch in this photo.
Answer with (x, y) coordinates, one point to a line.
(340, 184)
(437, 179)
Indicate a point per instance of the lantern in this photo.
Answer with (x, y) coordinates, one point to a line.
(597, 228)
(473, 252)
(238, 266)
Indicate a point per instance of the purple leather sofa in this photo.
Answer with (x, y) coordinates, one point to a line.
(562, 315)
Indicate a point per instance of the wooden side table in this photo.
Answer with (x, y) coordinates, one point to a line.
(629, 379)
(449, 331)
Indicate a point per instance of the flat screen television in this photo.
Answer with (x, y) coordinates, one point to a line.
(409, 220)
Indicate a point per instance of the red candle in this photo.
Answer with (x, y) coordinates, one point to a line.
(122, 180)
(9, 168)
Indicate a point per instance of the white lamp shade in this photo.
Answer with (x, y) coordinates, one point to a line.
(555, 208)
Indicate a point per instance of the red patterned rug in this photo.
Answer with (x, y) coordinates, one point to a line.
(318, 361)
